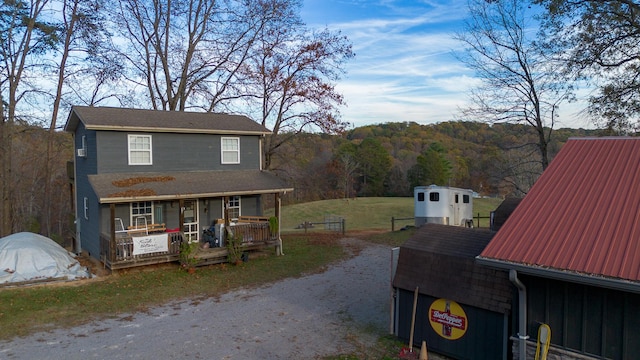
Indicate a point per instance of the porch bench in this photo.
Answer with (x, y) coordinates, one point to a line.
(150, 228)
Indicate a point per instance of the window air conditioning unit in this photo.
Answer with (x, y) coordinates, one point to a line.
(82, 152)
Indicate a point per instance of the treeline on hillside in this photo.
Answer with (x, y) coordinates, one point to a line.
(377, 160)
(390, 159)
(29, 164)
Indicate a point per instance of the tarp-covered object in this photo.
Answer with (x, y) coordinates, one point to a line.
(27, 257)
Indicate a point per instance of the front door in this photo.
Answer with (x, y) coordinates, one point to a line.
(191, 227)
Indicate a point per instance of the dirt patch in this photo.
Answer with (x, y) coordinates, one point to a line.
(94, 265)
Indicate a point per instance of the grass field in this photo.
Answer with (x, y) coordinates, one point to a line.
(372, 213)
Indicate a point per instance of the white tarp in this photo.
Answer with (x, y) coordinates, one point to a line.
(29, 257)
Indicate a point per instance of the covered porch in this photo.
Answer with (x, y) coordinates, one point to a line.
(148, 222)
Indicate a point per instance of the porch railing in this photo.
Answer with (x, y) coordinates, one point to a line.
(119, 252)
(253, 233)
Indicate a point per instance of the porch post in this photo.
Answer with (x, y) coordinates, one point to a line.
(227, 222)
(225, 212)
(112, 233)
(277, 213)
(181, 215)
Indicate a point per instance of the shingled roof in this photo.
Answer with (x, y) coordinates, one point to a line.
(127, 187)
(503, 211)
(581, 220)
(440, 261)
(122, 119)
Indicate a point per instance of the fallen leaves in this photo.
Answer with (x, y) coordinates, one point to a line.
(141, 180)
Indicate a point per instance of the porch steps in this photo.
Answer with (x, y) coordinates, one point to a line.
(214, 256)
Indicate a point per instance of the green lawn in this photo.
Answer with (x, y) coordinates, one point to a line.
(372, 213)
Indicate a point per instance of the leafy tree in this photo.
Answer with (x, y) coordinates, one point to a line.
(432, 167)
(519, 84)
(598, 40)
(375, 164)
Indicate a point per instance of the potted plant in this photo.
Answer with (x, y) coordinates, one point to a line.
(188, 259)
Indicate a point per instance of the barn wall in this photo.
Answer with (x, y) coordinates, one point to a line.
(585, 319)
(486, 336)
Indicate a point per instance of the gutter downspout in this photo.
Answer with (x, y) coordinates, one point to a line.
(522, 308)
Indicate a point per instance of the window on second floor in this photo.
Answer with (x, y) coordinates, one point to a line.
(230, 150)
(140, 150)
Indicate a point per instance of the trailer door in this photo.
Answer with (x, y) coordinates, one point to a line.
(456, 209)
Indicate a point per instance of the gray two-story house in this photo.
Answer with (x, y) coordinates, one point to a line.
(145, 180)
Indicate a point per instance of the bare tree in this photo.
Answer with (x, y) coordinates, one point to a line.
(349, 167)
(519, 83)
(292, 74)
(82, 34)
(598, 41)
(23, 35)
(186, 54)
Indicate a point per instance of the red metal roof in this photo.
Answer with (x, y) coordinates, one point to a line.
(582, 215)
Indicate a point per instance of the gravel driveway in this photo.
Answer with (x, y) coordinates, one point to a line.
(339, 311)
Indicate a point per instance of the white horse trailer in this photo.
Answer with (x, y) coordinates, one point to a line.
(443, 205)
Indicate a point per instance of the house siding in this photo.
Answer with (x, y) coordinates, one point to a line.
(86, 233)
(187, 160)
(175, 152)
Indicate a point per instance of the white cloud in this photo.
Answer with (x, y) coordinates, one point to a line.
(404, 69)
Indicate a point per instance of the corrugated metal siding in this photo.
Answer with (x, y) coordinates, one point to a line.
(582, 215)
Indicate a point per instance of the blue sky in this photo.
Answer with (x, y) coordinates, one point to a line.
(404, 68)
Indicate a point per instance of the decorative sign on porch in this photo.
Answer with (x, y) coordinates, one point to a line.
(448, 319)
(150, 244)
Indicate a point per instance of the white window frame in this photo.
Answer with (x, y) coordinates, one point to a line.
(86, 208)
(224, 151)
(131, 138)
(149, 214)
(237, 204)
